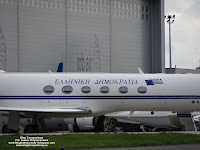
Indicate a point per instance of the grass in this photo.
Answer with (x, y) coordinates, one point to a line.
(80, 141)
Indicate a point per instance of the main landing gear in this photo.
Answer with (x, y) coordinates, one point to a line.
(5, 129)
(38, 126)
(31, 128)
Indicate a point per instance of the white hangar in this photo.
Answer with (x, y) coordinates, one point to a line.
(87, 35)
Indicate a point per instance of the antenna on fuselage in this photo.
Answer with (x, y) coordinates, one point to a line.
(140, 70)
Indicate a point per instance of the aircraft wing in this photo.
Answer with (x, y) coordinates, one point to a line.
(48, 110)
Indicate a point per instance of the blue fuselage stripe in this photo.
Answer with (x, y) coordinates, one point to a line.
(99, 97)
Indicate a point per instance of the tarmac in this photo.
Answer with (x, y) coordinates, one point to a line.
(170, 147)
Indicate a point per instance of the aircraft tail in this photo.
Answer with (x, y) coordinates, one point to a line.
(60, 67)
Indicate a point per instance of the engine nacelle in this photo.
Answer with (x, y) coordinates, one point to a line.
(86, 124)
(197, 118)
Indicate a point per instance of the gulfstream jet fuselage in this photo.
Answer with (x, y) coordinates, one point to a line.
(93, 94)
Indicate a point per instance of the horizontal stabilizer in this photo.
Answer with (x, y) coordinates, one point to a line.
(47, 110)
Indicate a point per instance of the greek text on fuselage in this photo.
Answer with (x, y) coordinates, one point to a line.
(97, 81)
(116, 81)
(72, 81)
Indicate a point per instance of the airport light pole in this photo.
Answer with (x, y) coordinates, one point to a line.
(170, 20)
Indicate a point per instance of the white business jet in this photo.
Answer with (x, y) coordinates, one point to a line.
(74, 95)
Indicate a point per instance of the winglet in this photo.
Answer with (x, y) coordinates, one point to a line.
(140, 70)
(60, 67)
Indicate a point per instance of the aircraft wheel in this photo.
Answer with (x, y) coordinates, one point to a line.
(31, 128)
(6, 130)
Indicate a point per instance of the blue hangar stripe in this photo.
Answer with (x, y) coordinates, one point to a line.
(98, 97)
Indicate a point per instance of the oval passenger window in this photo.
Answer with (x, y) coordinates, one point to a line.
(48, 89)
(86, 89)
(142, 90)
(104, 89)
(123, 89)
(67, 89)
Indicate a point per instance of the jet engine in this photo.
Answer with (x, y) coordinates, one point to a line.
(86, 124)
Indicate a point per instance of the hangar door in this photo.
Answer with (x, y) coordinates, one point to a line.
(130, 36)
(108, 35)
(87, 35)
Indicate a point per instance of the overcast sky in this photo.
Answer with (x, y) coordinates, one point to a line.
(185, 33)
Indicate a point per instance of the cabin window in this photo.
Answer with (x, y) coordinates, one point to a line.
(86, 89)
(104, 89)
(67, 89)
(123, 89)
(142, 90)
(48, 89)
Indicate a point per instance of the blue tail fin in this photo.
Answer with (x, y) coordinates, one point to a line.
(60, 67)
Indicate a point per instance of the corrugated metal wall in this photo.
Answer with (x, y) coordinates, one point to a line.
(8, 36)
(41, 34)
(130, 36)
(87, 35)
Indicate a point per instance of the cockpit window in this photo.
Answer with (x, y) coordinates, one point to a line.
(104, 89)
(142, 90)
(86, 89)
(67, 89)
(123, 89)
(48, 89)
